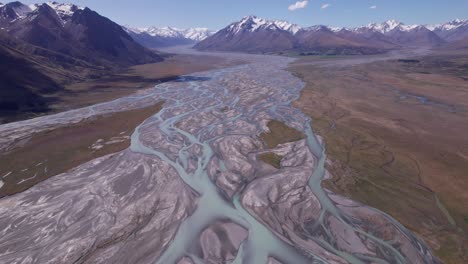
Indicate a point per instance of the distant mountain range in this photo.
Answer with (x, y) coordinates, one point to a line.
(258, 35)
(154, 37)
(45, 46)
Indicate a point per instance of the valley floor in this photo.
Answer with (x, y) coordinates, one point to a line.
(135, 78)
(64, 147)
(396, 137)
(393, 131)
(122, 83)
(228, 171)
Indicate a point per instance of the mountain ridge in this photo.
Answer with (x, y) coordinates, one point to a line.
(320, 39)
(75, 31)
(57, 44)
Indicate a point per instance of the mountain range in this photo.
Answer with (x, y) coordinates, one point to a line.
(258, 35)
(55, 44)
(154, 37)
(74, 31)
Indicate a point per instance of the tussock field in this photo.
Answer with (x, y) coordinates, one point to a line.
(396, 134)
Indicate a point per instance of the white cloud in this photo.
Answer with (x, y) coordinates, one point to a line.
(324, 6)
(298, 5)
(373, 7)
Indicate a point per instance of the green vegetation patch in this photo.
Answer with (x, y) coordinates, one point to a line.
(272, 159)
(280, 133)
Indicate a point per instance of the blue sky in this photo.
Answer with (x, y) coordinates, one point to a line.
(216, 14)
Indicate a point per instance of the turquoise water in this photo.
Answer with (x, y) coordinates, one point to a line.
(213, 204)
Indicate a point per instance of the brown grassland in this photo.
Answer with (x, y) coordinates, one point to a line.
(396, 133)
(134, 78)
(53, 152)
(271, 158)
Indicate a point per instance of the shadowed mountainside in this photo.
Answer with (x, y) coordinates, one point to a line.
(46, 46)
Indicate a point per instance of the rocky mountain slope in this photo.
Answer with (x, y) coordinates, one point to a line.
(75, 31)
(55, 44)
(22, 84)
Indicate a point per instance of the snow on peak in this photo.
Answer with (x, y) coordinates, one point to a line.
(64, 10)
(253, 23)
(392, 24)
(317, 28)
(284, 25)
(196, 34)
(168, 32)
(409, 27)
(454, 24)
(337, 29)
(384, 27)
(388, 26)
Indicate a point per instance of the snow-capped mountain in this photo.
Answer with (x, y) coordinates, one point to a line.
(293, 28)
(198, 34)
(158, 37)
(254, 34)
(253, 23)
(451, 31)
(74, 31)
(43, 46)
(454, 24)
(65, 11)
(401, 34)
(18, 10)
(195, 34)
(388, 26)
